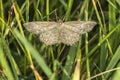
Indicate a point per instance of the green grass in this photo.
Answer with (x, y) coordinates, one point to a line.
(23, 56)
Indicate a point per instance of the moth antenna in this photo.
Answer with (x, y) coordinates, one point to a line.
(57, 18)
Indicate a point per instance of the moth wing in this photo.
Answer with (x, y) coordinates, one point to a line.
(68, 36)
(49, 37)
(80, 27)
(39, 27)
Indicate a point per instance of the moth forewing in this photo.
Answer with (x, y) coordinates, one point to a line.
(87, 26)
(80, 27)
(39, 27)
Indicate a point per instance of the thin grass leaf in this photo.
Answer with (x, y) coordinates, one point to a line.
(18, 11)
(69, 63)
(67, 15)
(116, 74)
(47, 9)
(18, 20)
(14, 69)
(2, 16)
(113, 62)
(118, 1)
(98, 45)
(35, 54)
(112, 22)
(4, 63)
(27, 9)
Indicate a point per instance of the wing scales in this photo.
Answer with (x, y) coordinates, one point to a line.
(80, 27)
(39, 27)
(53, 32)
(68, 37)
(49, 37)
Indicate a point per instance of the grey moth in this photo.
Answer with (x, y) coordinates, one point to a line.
(59, 32)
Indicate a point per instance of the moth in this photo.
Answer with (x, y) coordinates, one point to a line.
(59, 32)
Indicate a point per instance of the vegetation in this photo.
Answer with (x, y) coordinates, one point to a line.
(96, 56)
